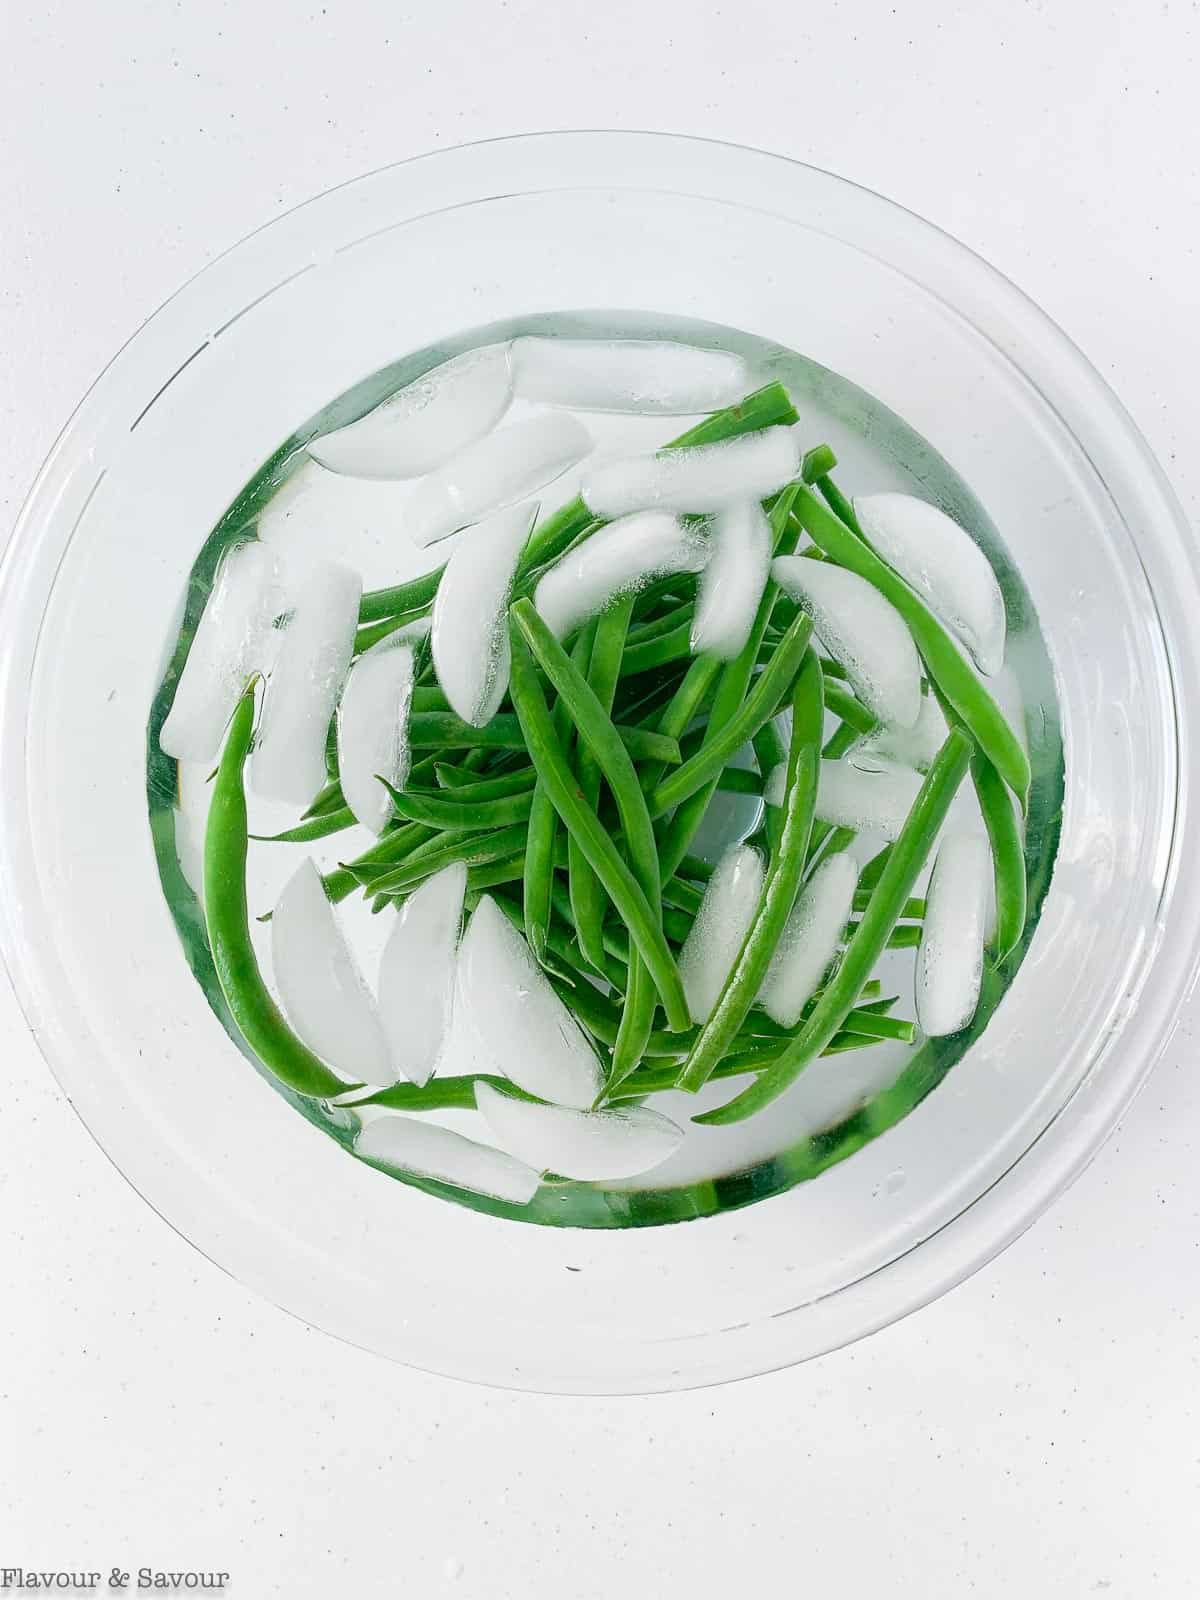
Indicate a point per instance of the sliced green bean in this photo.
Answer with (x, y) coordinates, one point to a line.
(945, 663)
(908, 856)
(760, 704)
(780, 886)
(227, 920)
(615, 877)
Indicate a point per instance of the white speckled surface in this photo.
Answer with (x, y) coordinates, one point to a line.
(1032, 1434)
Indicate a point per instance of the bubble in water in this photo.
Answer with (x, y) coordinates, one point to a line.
(453, 1567)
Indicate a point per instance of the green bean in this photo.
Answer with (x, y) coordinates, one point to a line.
(543, 822)
(490, 874)
(615, 877)
(428, 697)
(849, 708)
(227, 920)
(319, 827)
(980, 714)
(760, 704)
(873, 1026)
(330, 799)
(476, 850)
(465, 786)
(647, 601)
(1008, 855)
(436, 729)
(604, 669)
(907, 857)
(434, 812)
(439, 1094)
(598, 736)
(780, 885)
(643, 654)
(818, 462)
(392, 847)
(373, 632)
(873, 871)
(910, 911)
(732, 684)
(682, 896)
(655, 627)
(840, 742)
(838, 504)
(769, 752)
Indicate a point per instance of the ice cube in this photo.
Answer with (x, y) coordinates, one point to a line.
(861, 631)
(289, 753)
(730, 900)
(586, 1145)
(733, 580)
(319, 984)
(810, 940)
(522, 1028)
(406, 1144)
(505, 466)
(950, 959)
(911, 747)
(470, 632)
(698, 479)
(620, 557)
(646, 376)
(372, 729)
(234, 637)
(416, 973)
(943, 564)
(867, 793)
(422, 425)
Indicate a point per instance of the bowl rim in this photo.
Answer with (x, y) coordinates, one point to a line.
(1080, 1126)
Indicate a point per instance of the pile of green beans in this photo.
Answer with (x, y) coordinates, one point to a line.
(575, 807)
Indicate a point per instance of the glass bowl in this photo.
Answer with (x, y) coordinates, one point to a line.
(90, 598)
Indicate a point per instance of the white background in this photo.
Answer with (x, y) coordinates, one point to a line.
(1036, 1433)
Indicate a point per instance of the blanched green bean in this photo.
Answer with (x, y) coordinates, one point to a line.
(780, 885)
(227, 921)
(908, 855)
(618, 882)
(980, 714)
(760, 704)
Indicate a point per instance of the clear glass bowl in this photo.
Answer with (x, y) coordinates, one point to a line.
(89, 603)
